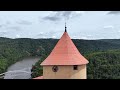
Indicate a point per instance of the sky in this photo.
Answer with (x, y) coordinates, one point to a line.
(51, 24)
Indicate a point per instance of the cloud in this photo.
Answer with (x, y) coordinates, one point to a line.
(4, 25)
(84, 37)
(16, 28)
(114, 12)
(17, 36)
(3, 33)
(51, 18)
(59, 15)
(89, 35)
(8, 22)
(24, 22)
(65, 14)
(1, 26)
(79, 37)
(108, 27)
(53, 36)
(41, 33)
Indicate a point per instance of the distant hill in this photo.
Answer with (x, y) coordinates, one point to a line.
(114, 41)
(88, 46)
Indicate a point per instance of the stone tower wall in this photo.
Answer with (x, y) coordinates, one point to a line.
(64, 72)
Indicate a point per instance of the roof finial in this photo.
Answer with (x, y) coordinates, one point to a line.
(65, 27)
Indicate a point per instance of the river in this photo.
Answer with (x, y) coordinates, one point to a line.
(21, 69)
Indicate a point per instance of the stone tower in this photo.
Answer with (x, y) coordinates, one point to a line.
(65, 61)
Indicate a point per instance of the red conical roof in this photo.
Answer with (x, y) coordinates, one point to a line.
(65, 53)
(39, 77)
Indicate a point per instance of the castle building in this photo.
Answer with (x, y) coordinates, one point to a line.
(65, 61)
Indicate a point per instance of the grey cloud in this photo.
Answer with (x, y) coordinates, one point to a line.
(1, 26)
(3, 33)
(24, 22)
(59, 15)
(5, 24)
(8, 22)
(51, 18)
(65, 14)
(114, 12)
(16, 28)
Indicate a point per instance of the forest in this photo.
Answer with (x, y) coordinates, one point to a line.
(103, 55)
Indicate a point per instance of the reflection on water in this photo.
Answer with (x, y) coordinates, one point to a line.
(21, 69)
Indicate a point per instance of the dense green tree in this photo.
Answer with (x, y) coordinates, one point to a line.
(104, 65)
(3, 65)
(37, 69)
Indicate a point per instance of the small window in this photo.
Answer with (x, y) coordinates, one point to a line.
(75, 67)
(55, 68)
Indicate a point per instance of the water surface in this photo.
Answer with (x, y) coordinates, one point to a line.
(21, 69)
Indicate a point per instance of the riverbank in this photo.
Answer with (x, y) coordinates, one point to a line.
(7, 62)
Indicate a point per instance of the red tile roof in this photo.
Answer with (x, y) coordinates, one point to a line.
(40, 77)
(65, 53)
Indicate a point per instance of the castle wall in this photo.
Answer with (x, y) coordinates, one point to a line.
(64, 72)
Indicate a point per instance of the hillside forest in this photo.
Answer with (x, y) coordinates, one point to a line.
(103, 55)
